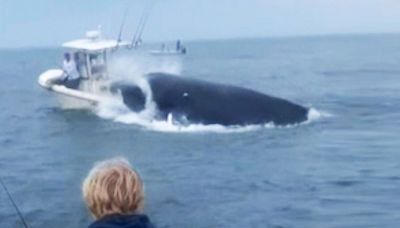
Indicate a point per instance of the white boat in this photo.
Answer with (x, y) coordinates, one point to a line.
(91, 55)
(167, 51)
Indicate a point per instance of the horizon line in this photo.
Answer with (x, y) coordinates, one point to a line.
(196, 40)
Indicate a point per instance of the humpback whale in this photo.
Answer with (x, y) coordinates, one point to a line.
(196, 101)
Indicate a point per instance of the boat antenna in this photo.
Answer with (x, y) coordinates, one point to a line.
(140, 28)
(14, 204)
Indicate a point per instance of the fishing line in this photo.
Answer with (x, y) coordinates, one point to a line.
(14, 204)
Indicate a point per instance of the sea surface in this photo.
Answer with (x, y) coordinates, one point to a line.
(339, 170)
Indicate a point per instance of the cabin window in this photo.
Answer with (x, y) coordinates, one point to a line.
(98, 66)
(80, 60)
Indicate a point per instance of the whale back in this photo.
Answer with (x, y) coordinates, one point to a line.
(212, 103)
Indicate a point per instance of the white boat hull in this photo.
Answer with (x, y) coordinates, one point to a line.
(69, 98)
(166, 53)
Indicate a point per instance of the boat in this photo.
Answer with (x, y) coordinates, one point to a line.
(91, 55)
(167, 51)
(163, 96)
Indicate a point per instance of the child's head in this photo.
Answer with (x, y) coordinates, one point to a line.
(113, 187)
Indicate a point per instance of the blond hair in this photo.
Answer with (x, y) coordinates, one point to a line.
(113, 187)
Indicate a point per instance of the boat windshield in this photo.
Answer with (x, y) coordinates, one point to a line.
(98, 65)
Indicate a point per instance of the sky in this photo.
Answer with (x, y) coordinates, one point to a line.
(48, 23)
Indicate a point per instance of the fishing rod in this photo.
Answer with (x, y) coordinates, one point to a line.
(142, 22)
(145, 20)
(14, 204)
(137, 29)
(121, 28)
(134, 39)
(143, 26)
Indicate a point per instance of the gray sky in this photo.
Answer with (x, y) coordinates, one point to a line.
(25, 23)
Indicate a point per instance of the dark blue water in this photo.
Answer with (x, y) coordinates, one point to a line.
(342, 170)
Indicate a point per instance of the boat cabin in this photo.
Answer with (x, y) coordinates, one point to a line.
(90, 54)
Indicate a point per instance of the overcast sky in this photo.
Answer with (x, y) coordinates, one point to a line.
(25, 23)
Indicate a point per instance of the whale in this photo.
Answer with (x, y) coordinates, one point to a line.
(189, 100)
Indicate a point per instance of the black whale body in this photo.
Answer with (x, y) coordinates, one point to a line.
(197, 101)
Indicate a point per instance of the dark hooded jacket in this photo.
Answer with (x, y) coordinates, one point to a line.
(123, 221)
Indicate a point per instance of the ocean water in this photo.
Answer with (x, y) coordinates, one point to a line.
(339, 170)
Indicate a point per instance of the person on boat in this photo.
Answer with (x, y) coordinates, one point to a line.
(71, 77)
(114, 194)
(178, 46)
(183, 51)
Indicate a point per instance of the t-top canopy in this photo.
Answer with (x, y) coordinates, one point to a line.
(93, 43)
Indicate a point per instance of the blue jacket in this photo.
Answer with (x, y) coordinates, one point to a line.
(123, 221)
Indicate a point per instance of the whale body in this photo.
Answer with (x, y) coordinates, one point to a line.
(196, 101)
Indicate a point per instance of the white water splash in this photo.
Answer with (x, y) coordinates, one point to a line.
(132, 69)
(120, 113)
(314, 114)
(134, 66)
